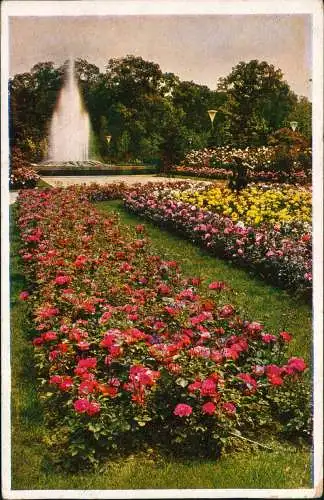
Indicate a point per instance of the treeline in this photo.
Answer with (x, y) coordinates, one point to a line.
(152, 116)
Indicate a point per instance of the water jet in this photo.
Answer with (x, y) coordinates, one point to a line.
(70, 126)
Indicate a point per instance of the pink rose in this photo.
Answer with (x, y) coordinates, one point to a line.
(93, 408)
(182, 410)
(226, 311)
(62, 280)
(267, 338)
(297, 364)
(81, 405)
(208, 387)
(229, 408)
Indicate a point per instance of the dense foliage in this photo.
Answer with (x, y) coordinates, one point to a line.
(152, 116)
(130, 352)
(279, 251)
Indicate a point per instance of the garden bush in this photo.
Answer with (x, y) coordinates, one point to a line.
(21, 175)
(129, 352)
(279, 251)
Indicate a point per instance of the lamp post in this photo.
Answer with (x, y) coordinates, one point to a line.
(293, 125)
(108, 139)
(212, 114)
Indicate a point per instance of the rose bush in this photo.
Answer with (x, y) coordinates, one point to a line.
(280, 252)
(21, 175)
(130, 352)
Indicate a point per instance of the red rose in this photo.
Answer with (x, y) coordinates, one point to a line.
(286, 337)
(38, 341)
(83, 345)
(87, 387)
(105, 317)
(55, 379)
(216, 285)
(195, 386)
(208, 408)
(48, 336)
(66, 383)
(208, 387)
(275, 379)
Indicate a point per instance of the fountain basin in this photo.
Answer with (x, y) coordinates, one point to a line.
(90, 167)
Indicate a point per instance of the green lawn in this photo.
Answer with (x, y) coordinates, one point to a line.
(284, 467)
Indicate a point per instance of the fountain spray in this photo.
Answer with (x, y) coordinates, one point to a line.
(70, 125)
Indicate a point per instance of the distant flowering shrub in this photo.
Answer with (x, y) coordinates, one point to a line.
(129, 351)
(21, 176)
(267, 163)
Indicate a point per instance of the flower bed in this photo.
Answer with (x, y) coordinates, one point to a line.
(281, 253)
(268, 163)
(255, 204)
(222, 173)
(129, 352)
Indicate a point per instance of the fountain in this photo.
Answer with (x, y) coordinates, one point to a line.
(70, 125)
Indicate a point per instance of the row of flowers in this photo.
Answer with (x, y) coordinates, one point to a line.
(255, 204)
(129, 351)
(298, 176)
(279, 252)
(259, 158)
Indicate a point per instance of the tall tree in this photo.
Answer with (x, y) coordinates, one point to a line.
(32, 98)
(258, 101)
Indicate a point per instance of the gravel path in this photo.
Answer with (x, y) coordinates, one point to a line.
(12, 197)
(68, 180)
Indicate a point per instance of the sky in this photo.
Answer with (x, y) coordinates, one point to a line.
(199, 48)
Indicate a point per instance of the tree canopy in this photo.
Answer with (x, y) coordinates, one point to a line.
(154, 116)
(258, 101)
